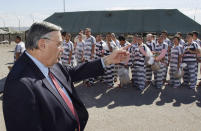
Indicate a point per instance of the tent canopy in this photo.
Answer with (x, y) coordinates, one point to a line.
(126, 21)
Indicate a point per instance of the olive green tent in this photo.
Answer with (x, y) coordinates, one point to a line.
(126, 21)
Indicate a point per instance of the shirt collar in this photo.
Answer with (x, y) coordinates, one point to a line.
(42, 67)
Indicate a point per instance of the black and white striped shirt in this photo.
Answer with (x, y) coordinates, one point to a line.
(89, 42)
(106, 48)
(79, 51)
(188, 56)
(151, 45)
(198, 41)
(68, 47)
(176, 51)
(159, 47)
(138, 57)
(99, 48)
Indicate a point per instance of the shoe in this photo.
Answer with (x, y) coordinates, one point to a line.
(88, 84)
(125, 86)
(134, 86)
(141, 89)
(170, 85)
(147, 83)
(119, 86)
(158, 87)
(199, 84)
(184, 84)
(115, 79)
(193, 88)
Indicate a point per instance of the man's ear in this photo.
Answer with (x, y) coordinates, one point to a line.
(41, 44)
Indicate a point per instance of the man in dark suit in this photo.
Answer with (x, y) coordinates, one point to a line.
(39, 94)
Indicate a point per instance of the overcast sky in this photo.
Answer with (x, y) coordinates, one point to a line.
(37, 10)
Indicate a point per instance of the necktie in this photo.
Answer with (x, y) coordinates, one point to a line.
(65, 98)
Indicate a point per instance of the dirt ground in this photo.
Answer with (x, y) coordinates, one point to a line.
(118, 109)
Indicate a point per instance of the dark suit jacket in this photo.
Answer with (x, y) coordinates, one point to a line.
(31, 104)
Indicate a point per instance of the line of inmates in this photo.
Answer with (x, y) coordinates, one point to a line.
(169, 54)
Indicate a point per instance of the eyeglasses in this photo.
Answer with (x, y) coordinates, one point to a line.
(59, 43)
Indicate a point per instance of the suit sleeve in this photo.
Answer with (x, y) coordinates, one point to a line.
(86, 70)
(20, 108)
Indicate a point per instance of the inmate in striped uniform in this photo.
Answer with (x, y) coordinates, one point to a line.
(182, 42)
(80, 52)
(149, 72)
(99, 49)
(99, 54)
(130, 50)
(191, 70)
(131, 61)
(68, 47)
(89, 42)
(198, 41)
(108, 77)
(139, 68)
(176, 52)
(119, 66)
(167, 58)
(160, 74)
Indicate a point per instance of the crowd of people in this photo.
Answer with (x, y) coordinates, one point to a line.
(177, 56)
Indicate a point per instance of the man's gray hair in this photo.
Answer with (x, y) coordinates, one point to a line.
(37, 31)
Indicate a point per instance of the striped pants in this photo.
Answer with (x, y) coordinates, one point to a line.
(175, 82)
(159, 76)
(130, 64)
(108, 77)
(90, 80)
(148, 73)
(190, 74)
(165, 69)
(139, 77)
(132, 71)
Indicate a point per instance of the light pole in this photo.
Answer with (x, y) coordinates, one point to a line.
(195, 14)
(18, 22)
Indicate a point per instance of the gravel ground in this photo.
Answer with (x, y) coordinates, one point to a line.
(115, 109)
(6, 59)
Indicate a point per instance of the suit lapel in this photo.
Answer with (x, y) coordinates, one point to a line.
(62, 79)
(59, 98)
(65, 82)
(40, 75)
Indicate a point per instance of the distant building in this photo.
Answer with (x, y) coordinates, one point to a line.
(126, 21)
(3, 31)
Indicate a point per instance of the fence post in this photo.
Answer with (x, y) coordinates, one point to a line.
(9, 38)
(3, 37)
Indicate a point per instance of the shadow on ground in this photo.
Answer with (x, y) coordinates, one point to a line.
(2, 81)
(10, 63)
(177, 96)
(101, 96)
(1, 97)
